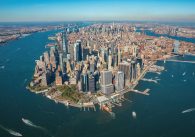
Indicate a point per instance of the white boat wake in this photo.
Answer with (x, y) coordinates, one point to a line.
(14, 133)
(188, 110)
(31, 124)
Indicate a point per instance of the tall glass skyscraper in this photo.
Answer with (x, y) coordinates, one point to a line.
(77, 51)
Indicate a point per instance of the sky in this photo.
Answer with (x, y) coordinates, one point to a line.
(97, 10)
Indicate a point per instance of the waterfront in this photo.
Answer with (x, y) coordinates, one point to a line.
(150, 33)
(157, 115)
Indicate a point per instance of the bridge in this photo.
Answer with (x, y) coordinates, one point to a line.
(180, 61)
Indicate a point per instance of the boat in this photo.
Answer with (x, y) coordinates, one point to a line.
(184, 74)
(172, 76)
(106, 108)
(134, 114)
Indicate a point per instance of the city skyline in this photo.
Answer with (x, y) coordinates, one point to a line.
(86, 10)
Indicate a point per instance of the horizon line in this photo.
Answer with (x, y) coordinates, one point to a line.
(58, 21)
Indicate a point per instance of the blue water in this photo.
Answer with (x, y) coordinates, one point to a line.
(158, 115)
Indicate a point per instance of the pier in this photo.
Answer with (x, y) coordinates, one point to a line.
(179, 61)
(88, 105)
(145, 92)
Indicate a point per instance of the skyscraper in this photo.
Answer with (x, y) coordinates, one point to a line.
(77, 51)
(119, 81)
(125, 67)
(133, 71)
(92, 84)
(106, 82)
(119, 55)
(85, 82)
(64, 44)
(134, 49)
(46, 57)
(109, 62)
(61, 62)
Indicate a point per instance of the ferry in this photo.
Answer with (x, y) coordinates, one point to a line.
(134, 114)
(184, 74)
(106, 108)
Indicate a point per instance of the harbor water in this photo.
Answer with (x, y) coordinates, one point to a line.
(157, 115)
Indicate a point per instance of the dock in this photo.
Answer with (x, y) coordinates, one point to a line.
(88, 105)
(145, 92)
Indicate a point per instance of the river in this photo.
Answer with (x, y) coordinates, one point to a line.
(150, 33)
(158, 115)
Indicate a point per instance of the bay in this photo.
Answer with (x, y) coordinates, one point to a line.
(158, 115)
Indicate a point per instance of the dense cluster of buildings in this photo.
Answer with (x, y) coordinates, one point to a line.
(8, 33)
(187, 32)
(102, 58)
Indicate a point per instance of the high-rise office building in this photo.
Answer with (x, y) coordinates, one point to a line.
(106, 82)
(106, 77)
(140, 61)
(85, 52)
(133, 74)
(46, 57)
(109, 62)
(61, 62)
(85, 82)
(77, 51)
(53, 58)
(125, 67)
(92, 85)
(119, 81)
(97, 79)
(92, 67)
(64, 44)
(119, 55)
(134, 49)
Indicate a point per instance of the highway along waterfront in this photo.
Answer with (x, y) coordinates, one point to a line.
(159, 114)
